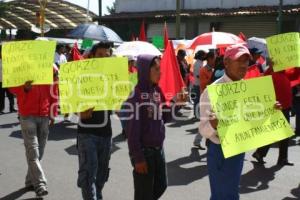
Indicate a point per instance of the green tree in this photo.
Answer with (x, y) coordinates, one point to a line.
(111, 9)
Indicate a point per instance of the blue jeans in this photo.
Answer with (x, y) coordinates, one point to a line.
(224, 174)
(94, 155)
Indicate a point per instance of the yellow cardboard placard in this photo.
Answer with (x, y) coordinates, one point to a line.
(284, 49)
(102, 83)
(246, 114)
(27, 60)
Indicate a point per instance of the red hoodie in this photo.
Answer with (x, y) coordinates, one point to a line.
(282, 87)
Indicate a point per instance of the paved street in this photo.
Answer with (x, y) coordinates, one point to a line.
(187, 169)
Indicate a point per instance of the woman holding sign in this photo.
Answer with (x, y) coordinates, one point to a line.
(146, 131)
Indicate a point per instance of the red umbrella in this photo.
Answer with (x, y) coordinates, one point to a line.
(217, 39)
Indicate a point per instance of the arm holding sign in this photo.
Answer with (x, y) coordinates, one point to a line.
(86, 114)
(208, 120)
(21, 89)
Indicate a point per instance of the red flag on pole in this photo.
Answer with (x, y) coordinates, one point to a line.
(170, 81)
(143, 36)
(166, 36)
(75, 52)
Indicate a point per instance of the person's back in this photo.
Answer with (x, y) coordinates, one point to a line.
(37, 101)
(37, 107)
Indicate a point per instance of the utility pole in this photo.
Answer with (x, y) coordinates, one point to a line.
(279, 19)
(43, 4)
(178, 10)
(100, 11)
(88, 11)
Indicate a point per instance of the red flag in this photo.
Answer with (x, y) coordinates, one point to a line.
(242, 36)
(143, 36)
(166, 36)
(170, 81)
(75, 52)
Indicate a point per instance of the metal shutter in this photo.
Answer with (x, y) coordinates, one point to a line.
(158, 29)
(250, 29)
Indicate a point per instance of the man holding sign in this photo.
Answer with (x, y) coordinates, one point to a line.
(94, 142)
(37, 105)
(225, 164)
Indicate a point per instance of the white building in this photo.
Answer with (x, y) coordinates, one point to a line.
(252, 17)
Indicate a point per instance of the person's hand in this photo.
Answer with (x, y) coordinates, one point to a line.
(51, 121)
(181, 97)
(87, 114)
(278, 106)
(213, 120)
(28, 85)
(141, 168)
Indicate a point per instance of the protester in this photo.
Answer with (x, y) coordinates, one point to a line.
(146, 130)
(283, 93)
(60, 57)
(94, 142)
(37, 106)
(256, 55)
(200, 58)
(4, 91)
(224, 174)
(296, 106)
(183, 66)
(219, 69)
(255, 68)
(207, 71)
(132, 64)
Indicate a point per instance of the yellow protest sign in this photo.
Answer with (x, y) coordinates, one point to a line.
(284, 49)
(102, 83)
(133, 77)
(246, 114)
(27, 60)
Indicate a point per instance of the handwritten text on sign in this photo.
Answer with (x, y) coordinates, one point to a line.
(246, 114)
(284, 50)
(102, 83)
(28, 60)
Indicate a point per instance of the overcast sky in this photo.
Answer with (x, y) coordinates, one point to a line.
(93, 5)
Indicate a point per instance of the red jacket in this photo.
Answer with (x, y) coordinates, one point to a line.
(283, 89)
(252, 72)
(40, 101)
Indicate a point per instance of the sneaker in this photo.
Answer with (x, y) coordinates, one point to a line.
(198, 146)
(284, 163)
(29, 188)
(41, 191)
(12, 110)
